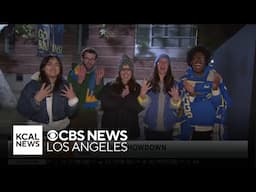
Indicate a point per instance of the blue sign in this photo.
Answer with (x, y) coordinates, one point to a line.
(50, 39)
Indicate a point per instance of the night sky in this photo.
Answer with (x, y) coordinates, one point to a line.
(213, 35)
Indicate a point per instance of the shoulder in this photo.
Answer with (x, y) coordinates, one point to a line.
(64, 81)
(32, 85)
(212, 74)
(183, 78)
(74, 65)
(137, 84)
(108, 85)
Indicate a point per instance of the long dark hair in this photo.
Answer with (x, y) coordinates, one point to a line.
(43, 76)
(168, 80)
(118, 86)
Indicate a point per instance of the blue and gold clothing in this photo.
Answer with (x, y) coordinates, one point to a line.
(206, 110)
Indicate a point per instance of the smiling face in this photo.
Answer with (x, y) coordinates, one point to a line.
(198, 62)
(52, 68)
(125, 74)
(89, 60)
(162, 66)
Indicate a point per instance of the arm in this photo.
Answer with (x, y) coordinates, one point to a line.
(99, 82)
(131, 102)
(144, 102)
(216, 98)
(71, 104)
(210, 90)
(98, 89)
(27, 104)
(175, 100)
(144, 97)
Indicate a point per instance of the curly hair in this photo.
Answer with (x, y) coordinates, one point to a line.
(197, 49)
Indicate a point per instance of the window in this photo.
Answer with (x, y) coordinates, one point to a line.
(83, 34)
(174, 39)
(9, 39)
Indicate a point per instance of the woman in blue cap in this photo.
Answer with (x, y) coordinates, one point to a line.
(161, 99)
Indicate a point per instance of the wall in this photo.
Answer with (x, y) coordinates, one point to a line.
(235, 61)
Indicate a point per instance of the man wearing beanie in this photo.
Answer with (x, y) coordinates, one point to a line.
(119, 101)
(161, 99)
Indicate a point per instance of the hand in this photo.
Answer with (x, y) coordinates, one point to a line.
(68, 92)
(144, 88)
(174, 92)
(43, 92)
(81, 74)
(216, 81)
(99, 75)
(188, 87)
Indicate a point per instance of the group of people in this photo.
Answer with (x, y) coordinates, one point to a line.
(192, 108)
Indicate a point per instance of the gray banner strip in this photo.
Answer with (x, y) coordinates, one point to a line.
(179, 149)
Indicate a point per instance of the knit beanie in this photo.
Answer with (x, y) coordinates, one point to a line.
(126, 61)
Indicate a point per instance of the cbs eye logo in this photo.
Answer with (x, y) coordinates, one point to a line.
(52, 135)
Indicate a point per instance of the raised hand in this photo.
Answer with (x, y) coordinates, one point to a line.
(188, 87)
(68, 92)
(81, 74)
(174, 92)
(144, 88)
(126, 91)
(43, 92)
(99, 75)
(216, 81)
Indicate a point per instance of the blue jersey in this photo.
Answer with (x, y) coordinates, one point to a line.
(204, 109)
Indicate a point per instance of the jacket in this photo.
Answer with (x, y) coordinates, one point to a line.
(28, 107)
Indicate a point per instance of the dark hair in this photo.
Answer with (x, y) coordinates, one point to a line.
(168, 80)
(118, 86)
(44, 78)
(89, 50)
(197, 49)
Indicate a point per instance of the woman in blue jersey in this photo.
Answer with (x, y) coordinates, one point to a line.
(204, 98)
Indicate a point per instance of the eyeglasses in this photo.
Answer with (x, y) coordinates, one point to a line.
(90, 59)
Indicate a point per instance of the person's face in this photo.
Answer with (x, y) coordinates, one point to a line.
(198, 62)
(162, 66)
(89, 60)
(125, 74)
(52, 68)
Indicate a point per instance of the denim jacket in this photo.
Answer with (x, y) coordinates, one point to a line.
(28, 107)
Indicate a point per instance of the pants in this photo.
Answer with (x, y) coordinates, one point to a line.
(207, 135)
(157, 135)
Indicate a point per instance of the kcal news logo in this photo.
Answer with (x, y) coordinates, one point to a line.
(27, 140)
